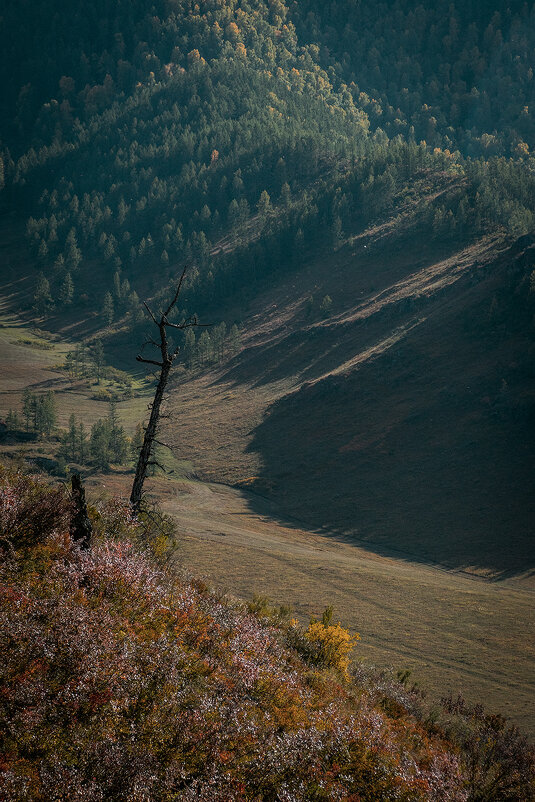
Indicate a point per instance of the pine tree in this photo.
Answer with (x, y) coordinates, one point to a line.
(13, 422)
(234, 339)
(117, 285)
(42, 298)
(97, 354)
(233, 212)
(27, 407)
(245, 211)
(108, 311)
(336, 232)
(59, 264)
(264, 204)
(326, 305)
(44, 408)
(66, 292)
(117, 440)
(82, 443)
(189, 349)
(219, 334)
(43, 251)
(73, 257)
(205, 348)
(286, 195)
(71, 439)
(99, 445)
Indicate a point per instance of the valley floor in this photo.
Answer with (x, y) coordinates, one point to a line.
(455, 631)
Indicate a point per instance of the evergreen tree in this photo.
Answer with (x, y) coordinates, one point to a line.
(73, 257)
(69, 446)
(42, 252)
(72, 438)
(264, 204)
(42, 298)
(189, 348)
(233, 214)
(12, 420)
(66, 293)
(117, 285)
(326, 305)
(108, 311)
(27, 408)
(136, 442)
(336, 232)
(82, 443)
(219, 334)
(286, 195)
(44, 413)
(97, 354)
(204, 348)
(234, 339)
(99, 445)
(117, 440)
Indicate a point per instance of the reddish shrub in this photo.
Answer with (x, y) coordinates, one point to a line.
(30, 511)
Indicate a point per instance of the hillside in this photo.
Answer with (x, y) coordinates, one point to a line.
(121, 681)
(402, 419)
(351, 186)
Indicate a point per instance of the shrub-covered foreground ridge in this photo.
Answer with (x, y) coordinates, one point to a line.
(122, 681)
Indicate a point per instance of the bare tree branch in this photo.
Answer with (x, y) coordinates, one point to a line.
(159, 443)
(140, 358)
(150, 312)
(186, 324)
(177, 293)
(146, 451)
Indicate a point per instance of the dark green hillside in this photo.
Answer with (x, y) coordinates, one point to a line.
(136, 139)
(226, 116)
(457, 74)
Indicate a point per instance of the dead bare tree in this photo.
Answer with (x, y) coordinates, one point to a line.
(81, 527)
(168, 355)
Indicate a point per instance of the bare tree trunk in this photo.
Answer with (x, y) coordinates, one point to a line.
(148, 441)
(81, 528)
(165, 363)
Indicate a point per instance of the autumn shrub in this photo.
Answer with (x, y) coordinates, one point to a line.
(152, 531)
(333, 643)
(30, 511)
(498, 761)
(122, 681)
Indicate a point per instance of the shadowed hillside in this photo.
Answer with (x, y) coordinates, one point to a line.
(404, 418)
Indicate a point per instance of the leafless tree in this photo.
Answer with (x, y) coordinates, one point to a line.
(164, 363)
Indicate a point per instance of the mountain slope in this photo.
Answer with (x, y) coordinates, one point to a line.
(404, 418)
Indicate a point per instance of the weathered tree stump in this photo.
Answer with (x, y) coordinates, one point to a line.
(81, 527)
